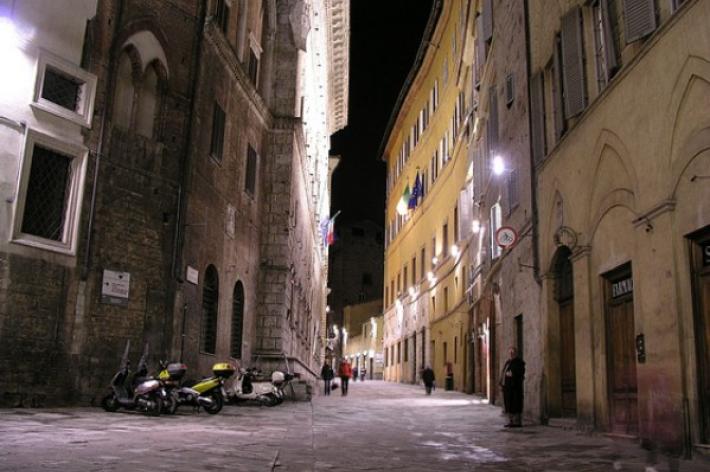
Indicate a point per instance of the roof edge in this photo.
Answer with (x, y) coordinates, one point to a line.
(436, 8)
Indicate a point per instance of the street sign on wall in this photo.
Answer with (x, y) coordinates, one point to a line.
(115, 288)
(506, 236)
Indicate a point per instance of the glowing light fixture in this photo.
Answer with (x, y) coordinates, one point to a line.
(455, 250)
(412, 292)
(498, 165)
(476, 226)
(435, 260)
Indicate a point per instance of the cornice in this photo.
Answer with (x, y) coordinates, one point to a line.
(338, 24)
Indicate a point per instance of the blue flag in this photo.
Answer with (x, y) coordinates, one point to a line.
(416, 193)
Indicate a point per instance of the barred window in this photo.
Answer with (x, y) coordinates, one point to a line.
(210, 303)
(217, 143)
(237, 320)
(47, 195)
(61, 89)
(253, 67)
(250, 180)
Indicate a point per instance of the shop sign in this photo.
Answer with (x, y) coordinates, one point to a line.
(706, 253)
(115, 287)
(622, 287)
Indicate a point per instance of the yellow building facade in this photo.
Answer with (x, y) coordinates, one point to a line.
(426, 151)
(620, 94)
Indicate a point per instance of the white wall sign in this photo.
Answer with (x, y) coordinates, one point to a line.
(192, 275)
(115, 288)
(506, 236)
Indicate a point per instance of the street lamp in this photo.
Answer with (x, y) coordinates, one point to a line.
(498, 165)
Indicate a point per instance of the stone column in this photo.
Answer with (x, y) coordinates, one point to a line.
(586, 374)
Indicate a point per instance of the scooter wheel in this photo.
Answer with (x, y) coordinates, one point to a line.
(110, 403)
(170, 405)
(270, 400)
(217, 403)
(157, 407)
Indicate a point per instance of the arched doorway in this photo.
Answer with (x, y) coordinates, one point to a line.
(210, 304)
(564, 297)
(237, 321)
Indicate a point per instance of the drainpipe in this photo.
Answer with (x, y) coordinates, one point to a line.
(110, 84)
(533, 176)
(182, 201)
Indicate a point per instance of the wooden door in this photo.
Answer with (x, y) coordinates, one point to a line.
(621, 362)
(701, 296)
(567, 359)
(414, 358)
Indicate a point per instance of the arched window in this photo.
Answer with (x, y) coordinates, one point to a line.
(237, 321)
(210, 304)
(125, 91)
(147, 103)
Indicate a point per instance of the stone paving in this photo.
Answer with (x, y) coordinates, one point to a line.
(377, 427)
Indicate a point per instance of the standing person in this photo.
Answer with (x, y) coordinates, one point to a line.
(363, 373)
(344, 372)
(512, 382)
(355, 374)
(428, 379)
(327, 375)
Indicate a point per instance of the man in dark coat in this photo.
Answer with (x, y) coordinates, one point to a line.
(428, 379)
(511, 380)
(327, 375)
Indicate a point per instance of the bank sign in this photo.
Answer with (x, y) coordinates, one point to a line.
(622, 287)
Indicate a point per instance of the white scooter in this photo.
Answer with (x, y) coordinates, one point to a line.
(246, 387)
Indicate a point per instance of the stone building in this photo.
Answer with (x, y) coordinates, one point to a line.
(619, 94)
(362, 345)
(428, 235)
(173, 163)
(504, 292)
(355, 267)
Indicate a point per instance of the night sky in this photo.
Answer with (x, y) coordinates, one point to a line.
(384, 38)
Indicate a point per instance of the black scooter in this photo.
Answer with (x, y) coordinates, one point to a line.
(137, 391)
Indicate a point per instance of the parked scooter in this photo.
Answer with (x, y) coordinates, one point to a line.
(137, 391)
(281, 380)
(246, 387)
(208, 393)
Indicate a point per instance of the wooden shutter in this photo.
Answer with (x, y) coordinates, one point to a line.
(572, 63)
(480, 53)
(537, 116)
(557, 105)
(492, 119)
(609, 43)
(639, 18)
(487, 20)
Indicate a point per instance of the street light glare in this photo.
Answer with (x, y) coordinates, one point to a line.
(498, 165)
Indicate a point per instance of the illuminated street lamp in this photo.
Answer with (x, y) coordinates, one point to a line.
(498, 165)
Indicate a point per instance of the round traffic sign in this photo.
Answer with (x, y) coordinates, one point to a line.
(506, 236)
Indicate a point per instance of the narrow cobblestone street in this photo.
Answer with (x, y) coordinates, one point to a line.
(378, 426)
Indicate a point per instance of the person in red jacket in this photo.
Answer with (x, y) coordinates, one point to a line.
(344, 372)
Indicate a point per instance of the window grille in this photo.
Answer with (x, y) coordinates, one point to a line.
(217, 143)
(509, 90)
(237, 320)
(210, 303)
(48, 191)
(61, 89)
(250, 181)
(253, 67)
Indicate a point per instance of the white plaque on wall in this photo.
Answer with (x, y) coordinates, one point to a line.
(115, 287)
(192, 275)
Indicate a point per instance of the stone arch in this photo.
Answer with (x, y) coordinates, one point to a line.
(151, 49)
(127, 78)
(682, 149)
(614, 182)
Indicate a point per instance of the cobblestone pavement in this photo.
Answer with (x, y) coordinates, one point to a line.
(377, 427)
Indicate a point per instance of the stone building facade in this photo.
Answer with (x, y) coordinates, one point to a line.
(355, 267)
(173, 163)
(362, 345)
(620, 133)
(505, 289)
(426, 318)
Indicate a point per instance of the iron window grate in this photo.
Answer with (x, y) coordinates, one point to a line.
(237, 320)
(47, 194)
(62, 90)
(210, 299)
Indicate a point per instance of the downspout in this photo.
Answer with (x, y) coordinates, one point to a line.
(533, 176)
(182, 201)
(86, 263)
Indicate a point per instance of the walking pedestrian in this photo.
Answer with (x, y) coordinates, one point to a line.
(511, 381)
(344, 372)
(363, 373)
(355, 374)
(327, 375)
(428, 379)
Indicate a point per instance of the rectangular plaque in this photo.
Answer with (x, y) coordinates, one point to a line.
(115, 288)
